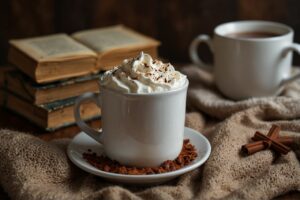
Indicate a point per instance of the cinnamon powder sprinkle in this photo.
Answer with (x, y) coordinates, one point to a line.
(186, 156)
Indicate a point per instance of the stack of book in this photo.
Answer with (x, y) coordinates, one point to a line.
(51, 71)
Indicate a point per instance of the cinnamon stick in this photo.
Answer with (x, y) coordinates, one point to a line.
(283, 139)
(259, 145)
(273, 134)
(277, 146)
(253, 147)
(271, 140)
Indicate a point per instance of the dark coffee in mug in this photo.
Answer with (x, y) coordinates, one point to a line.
(253, 34)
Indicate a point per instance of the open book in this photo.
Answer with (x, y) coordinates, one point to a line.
(51, 58)
(56, 57)
(114, 44)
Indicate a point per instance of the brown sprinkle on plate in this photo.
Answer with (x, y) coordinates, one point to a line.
(186, 156)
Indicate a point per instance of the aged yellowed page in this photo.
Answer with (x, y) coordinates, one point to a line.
(52, 48)
(105, 39)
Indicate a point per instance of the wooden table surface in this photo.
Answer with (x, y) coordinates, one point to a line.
(11, 120)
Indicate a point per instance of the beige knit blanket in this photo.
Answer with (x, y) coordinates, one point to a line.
(33, 169)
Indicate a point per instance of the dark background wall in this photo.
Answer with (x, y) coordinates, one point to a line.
(174, 22)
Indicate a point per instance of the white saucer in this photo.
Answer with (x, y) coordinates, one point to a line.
(82, 142)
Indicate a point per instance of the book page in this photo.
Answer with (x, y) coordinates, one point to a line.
(52, 48)
(104, 39)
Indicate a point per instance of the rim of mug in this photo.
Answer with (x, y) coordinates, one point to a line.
(183, 87)
(288, 29)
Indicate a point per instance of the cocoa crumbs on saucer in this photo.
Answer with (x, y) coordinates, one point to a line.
(186, 156)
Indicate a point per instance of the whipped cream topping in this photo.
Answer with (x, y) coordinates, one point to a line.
(143, 75)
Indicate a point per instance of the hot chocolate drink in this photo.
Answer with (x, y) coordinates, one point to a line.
(143, 104)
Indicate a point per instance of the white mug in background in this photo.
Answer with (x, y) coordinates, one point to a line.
(140, 130)
(246, 67)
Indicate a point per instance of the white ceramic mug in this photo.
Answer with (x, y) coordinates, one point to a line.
(140, 130)
(249, 67)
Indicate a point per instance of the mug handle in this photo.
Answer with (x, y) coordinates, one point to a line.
(292, 47)
(89, 96)
(194, 54)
